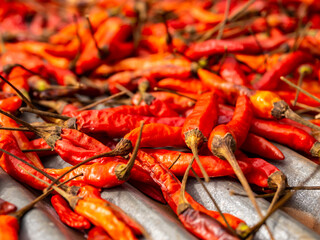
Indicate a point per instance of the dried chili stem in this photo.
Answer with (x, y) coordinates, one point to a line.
(174, 162)
(102, 101)
(122, 171)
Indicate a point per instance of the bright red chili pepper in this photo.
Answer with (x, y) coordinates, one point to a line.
(68, 216)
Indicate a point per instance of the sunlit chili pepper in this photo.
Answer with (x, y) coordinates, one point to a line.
(270, 79)
(67, 216)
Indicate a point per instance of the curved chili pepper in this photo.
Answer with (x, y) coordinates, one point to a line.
(171, 186)
(288, 135)
(6, 207)
(22, 140)
(232, 72)
(199, 124)
(97, 233)
(215, 167)
(260, 146)
(270, 79)
(67, 216)
(97, 211)
(10, 164)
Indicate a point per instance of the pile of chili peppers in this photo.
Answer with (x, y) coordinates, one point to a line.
(210, 81)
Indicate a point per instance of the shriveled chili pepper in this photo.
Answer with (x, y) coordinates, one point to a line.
(171, 187)
(270, 79)
(67, 216)
(6, 207)
(21, 139)
(215, 167)
(199, 124)
(225, 139)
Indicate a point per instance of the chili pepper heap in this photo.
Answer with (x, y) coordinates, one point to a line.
(135, 91)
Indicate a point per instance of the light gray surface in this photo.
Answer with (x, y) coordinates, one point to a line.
(304, 205)
(158, 220)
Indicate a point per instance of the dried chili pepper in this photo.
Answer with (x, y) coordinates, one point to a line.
(6, 207)
(97, 233)
(67, 216)
(270, 79)
(198, 125)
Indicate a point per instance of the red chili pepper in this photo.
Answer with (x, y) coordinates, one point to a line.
(111, 35)
(199, 124)
(9, 227)
(232, 72)
(291, 136)
(171, 186)
(179, 85)
(67, 216)
(10, 164)
(97, 233)
(260, 146)
(22, 140)
(270, 79)
(215, 167)
(6, 207)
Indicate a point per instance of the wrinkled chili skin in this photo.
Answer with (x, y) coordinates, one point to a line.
(288, 135)
(6, 207)
(67, 216)
(99, 214)
(97, 233)
(215, 167)
(117, 125)
(9, 227)
(203, 226)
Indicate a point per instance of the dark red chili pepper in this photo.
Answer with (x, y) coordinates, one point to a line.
(270, 79)
(97, 233)
(67, 216)
(6, 207)
(171, 186)
(262, 147)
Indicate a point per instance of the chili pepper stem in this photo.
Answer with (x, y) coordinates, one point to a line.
(183, 203)
(175, 161)
(123, 148)
(15, 129)
(282, 110)
(72, 199)
(194, 138)
(36, 150)
(213, 200)
(101, 101)
(278, 180)
(44, 113)
(122, 171)
(223, 148)
(102, 51)
(22, 211)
